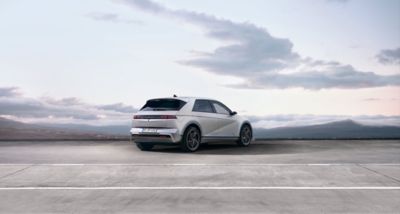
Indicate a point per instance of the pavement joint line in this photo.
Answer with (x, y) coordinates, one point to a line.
(208, 188)
(199, 164)
(379, 173)
(15, 172)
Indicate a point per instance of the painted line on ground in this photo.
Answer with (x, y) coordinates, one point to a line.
(206, 188)
(197, 164)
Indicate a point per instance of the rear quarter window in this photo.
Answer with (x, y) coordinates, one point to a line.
(203, 106)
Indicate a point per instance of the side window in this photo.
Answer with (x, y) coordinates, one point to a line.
(203, 106)
(220, 108)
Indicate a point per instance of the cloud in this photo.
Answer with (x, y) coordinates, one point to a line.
(9, 92)
(111, 17)
(70, 101)
(47, 109)
(16, 106)
(254, 49)
(290, 120)
(389, 56)
(340, 76)
(262, 60)
(118, 107)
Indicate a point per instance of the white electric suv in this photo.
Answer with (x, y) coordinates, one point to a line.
(188, 122)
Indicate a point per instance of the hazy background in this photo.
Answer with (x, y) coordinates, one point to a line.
(282, 63)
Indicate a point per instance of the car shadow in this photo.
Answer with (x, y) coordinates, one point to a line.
(272, 147)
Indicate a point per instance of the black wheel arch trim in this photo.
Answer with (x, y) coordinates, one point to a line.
(193, 123)
(247, 123)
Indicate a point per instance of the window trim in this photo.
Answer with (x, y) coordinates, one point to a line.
(221, 104)
(209, 101)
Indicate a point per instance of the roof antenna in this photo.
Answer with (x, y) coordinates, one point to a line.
(175, 95)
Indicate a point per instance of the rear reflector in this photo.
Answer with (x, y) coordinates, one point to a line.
(154, 117)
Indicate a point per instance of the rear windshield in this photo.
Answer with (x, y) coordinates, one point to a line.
(163, 105)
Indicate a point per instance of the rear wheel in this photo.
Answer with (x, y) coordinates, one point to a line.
(246, 134)
(144, 146)
(191, 139)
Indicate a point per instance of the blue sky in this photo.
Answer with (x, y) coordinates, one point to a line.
(309, 57)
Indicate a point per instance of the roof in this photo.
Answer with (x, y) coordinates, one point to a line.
(184, 98)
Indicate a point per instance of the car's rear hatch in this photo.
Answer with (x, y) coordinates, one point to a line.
(158, 113)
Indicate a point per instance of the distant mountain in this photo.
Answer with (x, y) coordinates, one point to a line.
(346, 129)
(12, 130)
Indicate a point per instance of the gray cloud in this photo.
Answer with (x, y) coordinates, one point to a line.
(254, 49)
(71, 109)
(389, 56)
(28, 107)
(111, 17)
(118, 107)
(261, 59)
(341, 76)
(9, 92)
(70, 101)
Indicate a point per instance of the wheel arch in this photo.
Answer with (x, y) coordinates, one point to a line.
(246, 122)
(192, 123)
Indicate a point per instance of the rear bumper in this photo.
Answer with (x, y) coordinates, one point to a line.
(159, 136)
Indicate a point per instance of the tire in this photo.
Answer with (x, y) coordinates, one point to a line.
(144, 146)
(191, 139)
(245, 136)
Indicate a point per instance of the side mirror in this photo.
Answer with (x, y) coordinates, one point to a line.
(233, 113)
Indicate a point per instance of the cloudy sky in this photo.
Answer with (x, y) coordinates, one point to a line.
(100, 60)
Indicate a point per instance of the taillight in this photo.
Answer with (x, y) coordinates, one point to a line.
(167, 117)
(154, 117)
(138, 117)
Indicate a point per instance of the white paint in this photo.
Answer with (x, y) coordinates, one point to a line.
(208, 188)
(199, 164)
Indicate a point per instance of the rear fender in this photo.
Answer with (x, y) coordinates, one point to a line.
(192, 122)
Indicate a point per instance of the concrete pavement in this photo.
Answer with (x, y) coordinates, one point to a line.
(267, 177)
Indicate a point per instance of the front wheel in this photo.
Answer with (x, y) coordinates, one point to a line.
(144, 146)
(191, 139)
(246, 134)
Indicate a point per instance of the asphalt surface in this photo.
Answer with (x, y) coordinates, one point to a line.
(267, 177)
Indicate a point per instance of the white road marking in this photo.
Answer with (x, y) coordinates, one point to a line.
(198, 164)
(207, 188)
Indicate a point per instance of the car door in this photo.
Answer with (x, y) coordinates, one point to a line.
(225, 122)
(205, 116)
